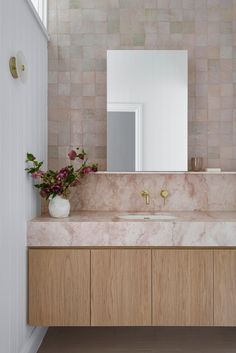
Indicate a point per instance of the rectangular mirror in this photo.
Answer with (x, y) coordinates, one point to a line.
(147, 101)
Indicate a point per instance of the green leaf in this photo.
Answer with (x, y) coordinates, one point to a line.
(30, 157)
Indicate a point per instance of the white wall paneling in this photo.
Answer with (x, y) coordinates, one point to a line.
(23, 127)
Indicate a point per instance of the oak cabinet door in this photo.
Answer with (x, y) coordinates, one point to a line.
(121, 287)
(59, 287)
(225, 287)
(182, 287)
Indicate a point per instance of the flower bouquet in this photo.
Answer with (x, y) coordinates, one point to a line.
(55, 185)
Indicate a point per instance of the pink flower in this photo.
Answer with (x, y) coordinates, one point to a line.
(56, 189)
(72, 155)
(87, 170)
(38, 174)
(63, 173)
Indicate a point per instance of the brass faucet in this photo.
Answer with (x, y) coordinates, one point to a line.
(145, 194)
(164, 194)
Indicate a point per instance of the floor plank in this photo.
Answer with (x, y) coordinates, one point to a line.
(139, 340)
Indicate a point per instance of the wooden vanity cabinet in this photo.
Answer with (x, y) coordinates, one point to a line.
(225, 287)
(59, 287)
(182, 287)
(132, 287)
(121, 287)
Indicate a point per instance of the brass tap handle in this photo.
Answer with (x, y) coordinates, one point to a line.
(164, 194)
(145, 194)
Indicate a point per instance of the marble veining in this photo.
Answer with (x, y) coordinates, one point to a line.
(188, 192)
(107, 229)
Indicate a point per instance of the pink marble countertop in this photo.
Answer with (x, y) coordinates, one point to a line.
(200, 229)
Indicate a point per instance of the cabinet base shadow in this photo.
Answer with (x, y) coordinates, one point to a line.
(141, 340)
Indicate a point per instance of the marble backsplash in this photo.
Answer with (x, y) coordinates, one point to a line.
(188, 192)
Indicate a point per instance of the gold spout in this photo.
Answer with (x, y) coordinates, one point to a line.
(145, 194)
(164, 194)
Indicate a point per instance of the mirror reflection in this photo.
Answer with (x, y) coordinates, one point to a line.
(147, 94)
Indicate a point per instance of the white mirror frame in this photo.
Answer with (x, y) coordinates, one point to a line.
(136, 108)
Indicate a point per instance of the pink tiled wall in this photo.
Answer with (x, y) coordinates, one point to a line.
(82, 30)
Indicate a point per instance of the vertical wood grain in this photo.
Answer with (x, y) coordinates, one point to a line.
(59, 287)
(225, 287)
(182, 287)
(120, 287)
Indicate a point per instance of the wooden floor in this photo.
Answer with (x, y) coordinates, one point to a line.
(139, 340)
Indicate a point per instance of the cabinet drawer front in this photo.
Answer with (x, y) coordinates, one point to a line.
(182, 287)
(59, 287)
(121, 287)
(225, 287)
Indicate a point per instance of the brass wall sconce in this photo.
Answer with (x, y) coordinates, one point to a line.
(17, 66)
(12, 66)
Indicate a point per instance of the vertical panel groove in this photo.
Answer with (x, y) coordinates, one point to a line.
(23, 119)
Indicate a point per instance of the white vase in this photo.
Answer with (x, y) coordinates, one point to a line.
(59, 207)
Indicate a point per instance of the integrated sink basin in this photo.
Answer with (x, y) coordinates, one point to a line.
(148, 217)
